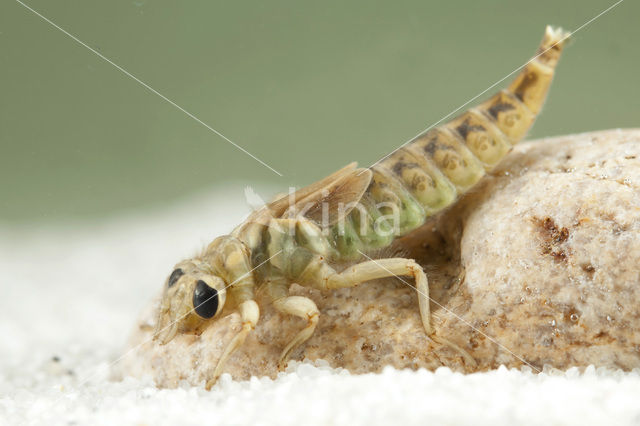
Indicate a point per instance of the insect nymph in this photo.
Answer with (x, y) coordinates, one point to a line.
(309, 237)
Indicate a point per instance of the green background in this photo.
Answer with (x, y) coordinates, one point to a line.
(304, 86)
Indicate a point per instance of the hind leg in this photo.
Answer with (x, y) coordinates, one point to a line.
(396, 267)
(383, 268)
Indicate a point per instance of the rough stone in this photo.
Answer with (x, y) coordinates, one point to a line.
(539, 265)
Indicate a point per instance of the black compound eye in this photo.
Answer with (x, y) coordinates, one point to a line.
(205, 300)
(174, 277)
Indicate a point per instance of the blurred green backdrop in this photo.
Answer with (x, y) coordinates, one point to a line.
(304, 86)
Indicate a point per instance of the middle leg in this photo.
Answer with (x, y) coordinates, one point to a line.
(299, 306)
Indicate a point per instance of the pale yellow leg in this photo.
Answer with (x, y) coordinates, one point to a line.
(299, 306)
(249, 312)
(383, 268)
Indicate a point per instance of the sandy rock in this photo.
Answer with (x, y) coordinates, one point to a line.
(540, 265)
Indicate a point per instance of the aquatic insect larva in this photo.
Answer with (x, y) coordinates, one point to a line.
(308, 237)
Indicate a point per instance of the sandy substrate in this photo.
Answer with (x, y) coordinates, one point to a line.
(71, 295)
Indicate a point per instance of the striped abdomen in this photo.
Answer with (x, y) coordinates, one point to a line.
(431, 172)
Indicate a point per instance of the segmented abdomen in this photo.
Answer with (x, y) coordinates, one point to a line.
(432, 171)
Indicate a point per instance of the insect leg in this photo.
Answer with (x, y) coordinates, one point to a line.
(384, 268)
(299, 306)
(249, 312)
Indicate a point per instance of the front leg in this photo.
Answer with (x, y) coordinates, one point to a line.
(249, 312)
